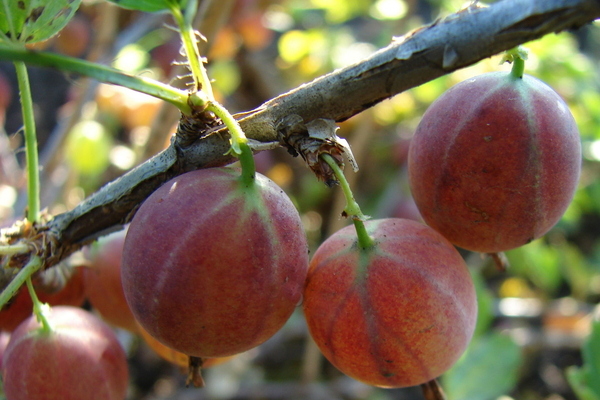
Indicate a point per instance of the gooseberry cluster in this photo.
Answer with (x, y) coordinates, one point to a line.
(216, 260)
(493, 165)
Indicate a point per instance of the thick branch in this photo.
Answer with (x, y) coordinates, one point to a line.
(446, 45)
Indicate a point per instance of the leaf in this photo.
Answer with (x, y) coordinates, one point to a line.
(591, 358)
(579, 380)
(488, 369)
(30, 21)
(539, 262)
(149, 5)
(485, 304)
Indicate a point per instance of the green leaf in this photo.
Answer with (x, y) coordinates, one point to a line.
(577, 270)
(488, 369)
(591, 358)
(579, 380)
(30, 21)
(150, 5)
(485, 304)
(539, 262)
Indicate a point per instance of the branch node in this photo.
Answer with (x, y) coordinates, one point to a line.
(313, 139)
(193, 127)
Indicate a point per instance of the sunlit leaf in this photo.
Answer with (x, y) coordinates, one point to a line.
(339, 11)
(293, 45)
(431, 90)
(388, 9)
(226, 75)
(132, 58)
(88, 148)
(30, 21)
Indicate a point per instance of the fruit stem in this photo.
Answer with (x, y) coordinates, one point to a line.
(352, 209)
(9, 291)
(31, 151)
(239, 142)
(39, 309)
(365, 241)
(517, 57)
(518, 68)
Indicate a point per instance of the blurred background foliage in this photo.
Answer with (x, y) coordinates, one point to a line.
(535, 319)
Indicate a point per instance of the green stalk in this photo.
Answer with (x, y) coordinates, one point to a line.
(170, 94)
(239, 142)
(32, 266)
(39, 309)
(14, 249)
(352, 209)
(31, 151)
(517, 56)
(518, 68)
(188, 37)
(365, 241)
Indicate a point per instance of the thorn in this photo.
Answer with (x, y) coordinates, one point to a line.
(171, 27)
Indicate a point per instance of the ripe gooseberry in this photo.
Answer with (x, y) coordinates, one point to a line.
(495, 162)
(397, 314)
(80, 358)
(213, 266)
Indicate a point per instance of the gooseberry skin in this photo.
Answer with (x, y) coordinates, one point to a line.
(397, 315)
(80, 359)
(495, 162)
(102, 281)
(177, 358)
(212, 267)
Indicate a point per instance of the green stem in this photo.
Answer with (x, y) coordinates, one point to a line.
(39, 309)
(352, 209)
(13, 249)
(190, 44)
(518, 68)
(247, 163)
(32, 266)
(239, 142)
(517, 56)
(177, 97)
(365, 241)
(31, 150)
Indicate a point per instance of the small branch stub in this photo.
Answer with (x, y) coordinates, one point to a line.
(314, 139)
